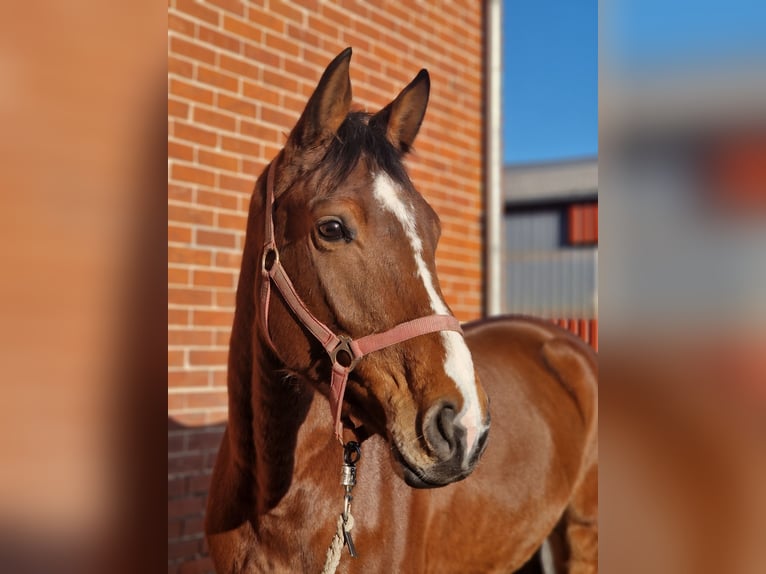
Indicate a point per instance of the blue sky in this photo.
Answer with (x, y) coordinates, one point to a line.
(550, 60)
(648, 34)
(550, 79)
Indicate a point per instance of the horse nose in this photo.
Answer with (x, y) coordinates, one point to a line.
(441, 434)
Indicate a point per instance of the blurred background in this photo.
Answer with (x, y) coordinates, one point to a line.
(603, 166)
(682, 174)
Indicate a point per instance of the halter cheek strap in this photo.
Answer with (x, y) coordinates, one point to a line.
(344, 352)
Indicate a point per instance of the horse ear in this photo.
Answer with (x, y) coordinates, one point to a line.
(401, 118)
(328, 105)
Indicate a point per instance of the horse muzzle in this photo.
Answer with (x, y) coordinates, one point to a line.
(446, 444)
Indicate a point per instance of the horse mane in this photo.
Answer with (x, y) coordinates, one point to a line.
(359, 137)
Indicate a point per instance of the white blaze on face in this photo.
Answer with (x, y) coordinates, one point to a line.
(458, 364)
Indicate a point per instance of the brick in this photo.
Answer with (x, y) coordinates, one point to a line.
(174, 529)
(180, 151)
(213, 278)
(191, 49)
(222, 338)
(252, 167)
(188, 378)
(186, 214)
(233, 6)
(242, 29)
(267, 20)
(192, 174)
(216, 199)
(185, 463)
(197, 10)
(188, 255)
(219, 160)
(299, 68)
(338, 16)
(190, 418)
(178, 192)
(215, 416)
(285, 10)
(205, 440)
(205, 318)
(216, 238)
(181, 296)
(185, 90)
(228, 259)
(264, 57)
(193, 526)
(219, 40)
(360, 42)
(240, 145)
(261, 131)
(224, 299)
(273, 116)
(230, 221)
(176, 486)
(279, 80)
(235, 183)
(180, 24)
(178, 109)
(214, 78)
(323, 27)
(178, 234)
(175, 358)
(177, 276)
(220, 378)
(194, 134)
(208, 399)
(236, 105)
(201, 482)
(282, 44)
(178, 317)
(184, 549)
(240, 67)
(214, 119)
(180, 67)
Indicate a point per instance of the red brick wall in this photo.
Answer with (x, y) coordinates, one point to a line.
(239, 75)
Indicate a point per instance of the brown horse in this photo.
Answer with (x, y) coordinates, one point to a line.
(350, 245)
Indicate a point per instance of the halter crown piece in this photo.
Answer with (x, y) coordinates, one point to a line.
(344, 351)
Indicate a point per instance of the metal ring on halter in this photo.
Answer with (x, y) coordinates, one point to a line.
(344, 355)
(269, 259)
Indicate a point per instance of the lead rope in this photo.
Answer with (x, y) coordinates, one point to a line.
(351, 455)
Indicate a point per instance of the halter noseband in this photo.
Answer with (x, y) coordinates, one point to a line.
(344, 352)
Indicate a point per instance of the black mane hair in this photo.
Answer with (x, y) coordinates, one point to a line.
(357, 138)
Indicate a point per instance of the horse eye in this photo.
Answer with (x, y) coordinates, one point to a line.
(332, 230)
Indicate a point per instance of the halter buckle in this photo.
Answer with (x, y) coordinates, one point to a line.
(344, 355)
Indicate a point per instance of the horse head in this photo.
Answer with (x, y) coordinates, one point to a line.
(358, 242)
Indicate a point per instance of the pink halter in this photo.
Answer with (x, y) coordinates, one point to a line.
(344, 352)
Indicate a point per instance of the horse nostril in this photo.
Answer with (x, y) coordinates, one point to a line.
(439, 430)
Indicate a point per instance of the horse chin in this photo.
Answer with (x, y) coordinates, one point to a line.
(417, 478)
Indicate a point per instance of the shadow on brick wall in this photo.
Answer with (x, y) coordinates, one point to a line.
(191, 455)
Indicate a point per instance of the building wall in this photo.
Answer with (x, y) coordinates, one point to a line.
(239, 74)
(551, 243)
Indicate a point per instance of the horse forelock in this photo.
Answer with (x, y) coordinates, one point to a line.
(354, 141)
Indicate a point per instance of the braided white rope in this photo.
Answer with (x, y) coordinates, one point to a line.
(336, 546)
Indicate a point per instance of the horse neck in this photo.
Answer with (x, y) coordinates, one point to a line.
(266, 408)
